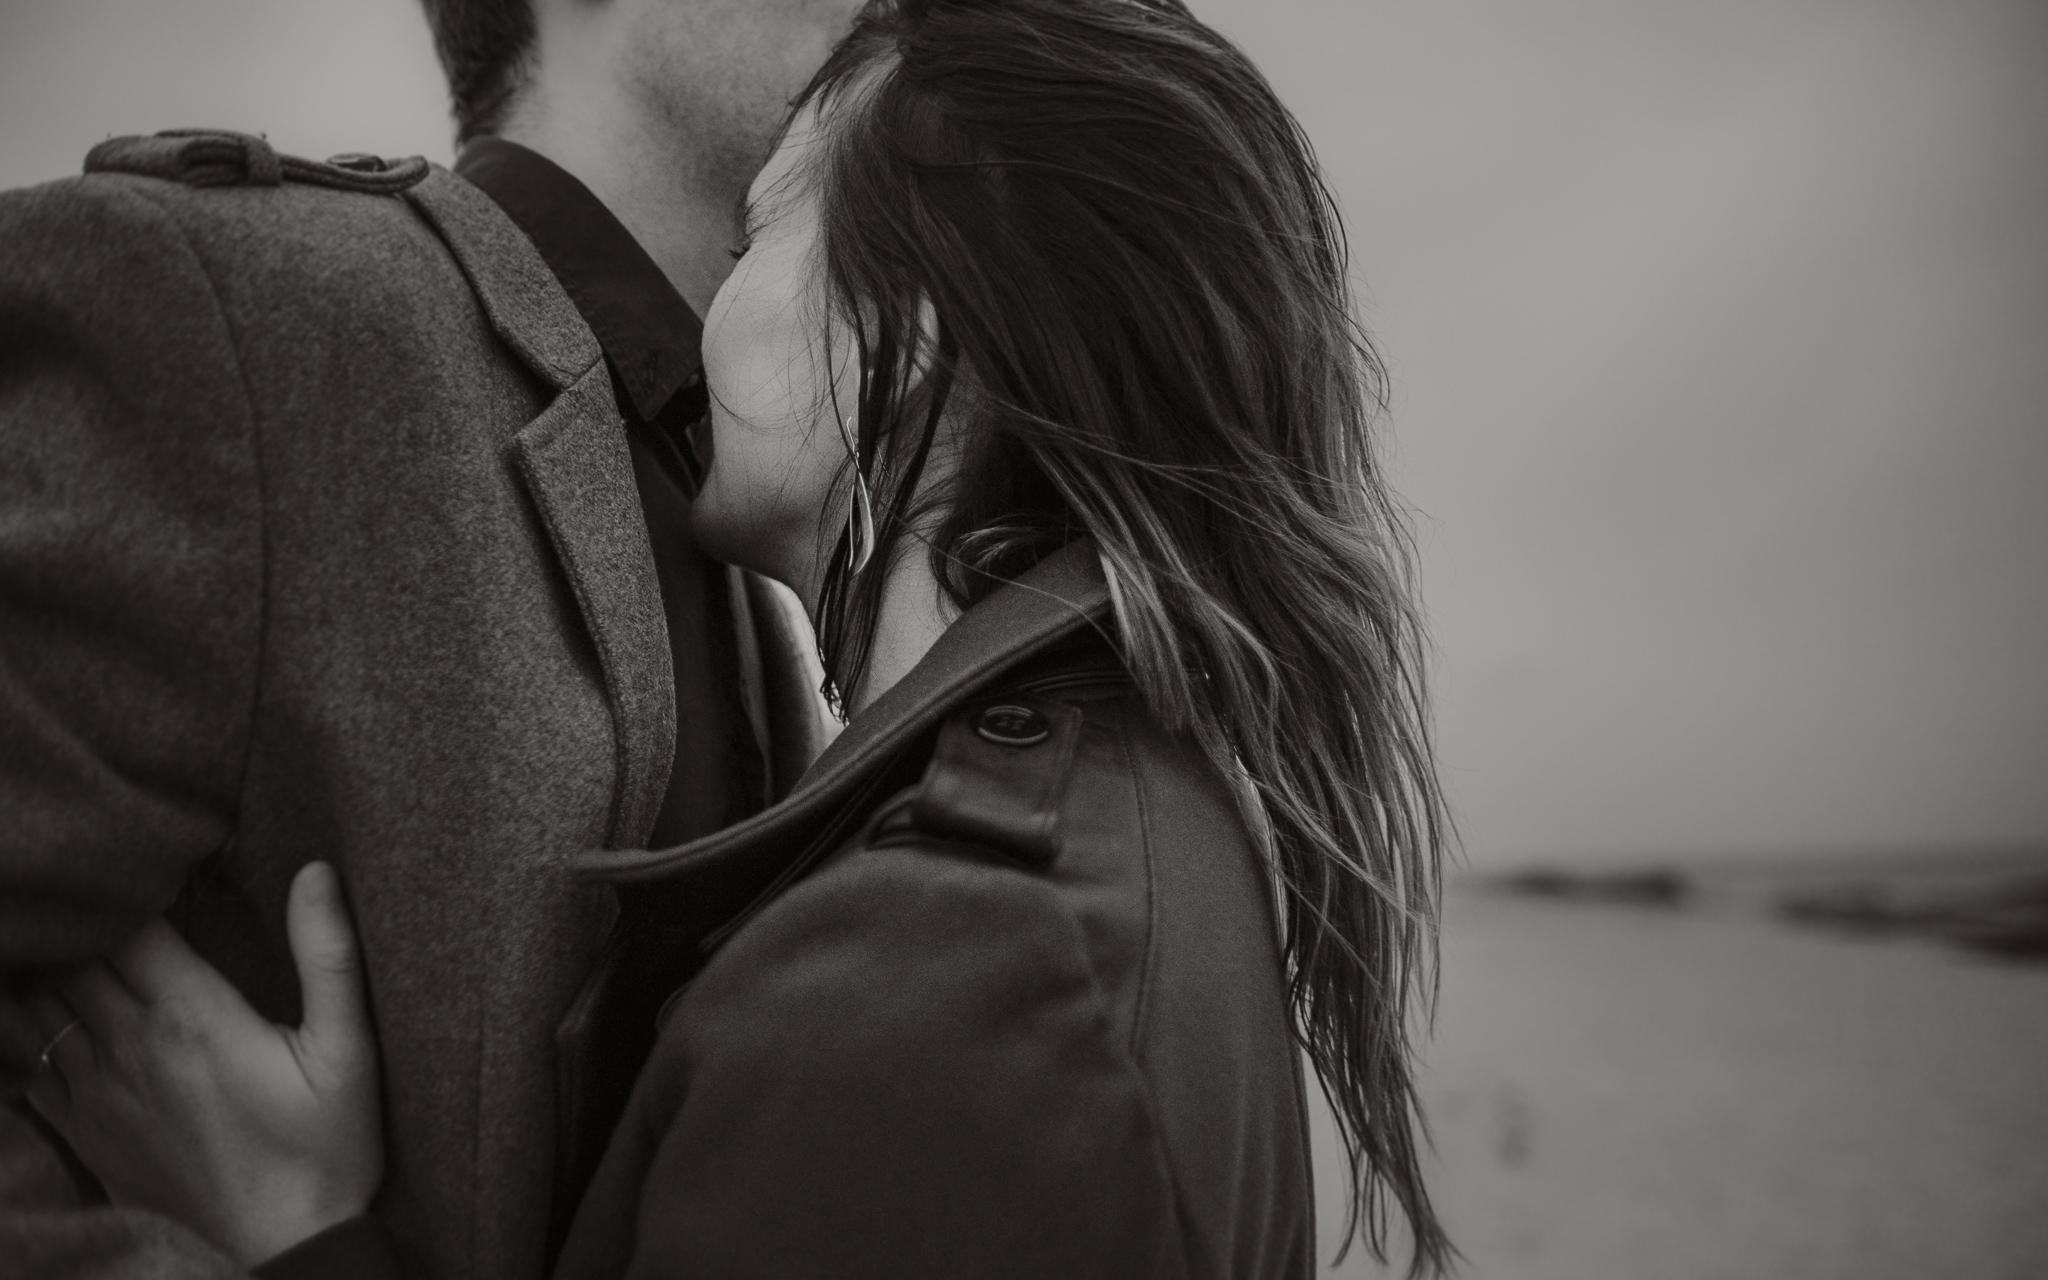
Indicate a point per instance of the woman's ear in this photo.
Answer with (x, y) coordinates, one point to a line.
(927, 353)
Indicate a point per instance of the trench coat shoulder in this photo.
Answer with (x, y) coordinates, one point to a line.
(920, 1022)
(968, 1043)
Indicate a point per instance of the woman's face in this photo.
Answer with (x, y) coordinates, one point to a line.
(774, 357)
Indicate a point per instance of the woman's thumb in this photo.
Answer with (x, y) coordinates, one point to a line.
(323, 943)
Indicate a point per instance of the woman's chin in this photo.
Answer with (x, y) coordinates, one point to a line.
(719, 534)
(733, 533)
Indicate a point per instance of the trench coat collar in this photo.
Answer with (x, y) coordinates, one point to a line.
(577, 466)
(1063, 594)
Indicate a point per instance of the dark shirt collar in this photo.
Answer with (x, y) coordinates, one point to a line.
(649, 334)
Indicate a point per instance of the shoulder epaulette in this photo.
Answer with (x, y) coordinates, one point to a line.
(218, 158)
(998, 774)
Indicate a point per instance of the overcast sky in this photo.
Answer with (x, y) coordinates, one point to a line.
(1719, 334)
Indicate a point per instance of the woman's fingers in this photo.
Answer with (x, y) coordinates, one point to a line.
(49, 1013)
(323, 941)
(185, 1100)
(65, 1049)
(99, 999)
(67, 1044)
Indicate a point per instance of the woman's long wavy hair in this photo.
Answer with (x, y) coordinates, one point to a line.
(1088, 233)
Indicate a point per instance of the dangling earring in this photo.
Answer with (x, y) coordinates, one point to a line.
(860, 515)
(860, 525)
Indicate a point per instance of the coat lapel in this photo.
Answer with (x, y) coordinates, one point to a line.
(574, 460)
(576, 466)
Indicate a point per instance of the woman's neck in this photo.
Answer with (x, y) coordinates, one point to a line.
(914, 613)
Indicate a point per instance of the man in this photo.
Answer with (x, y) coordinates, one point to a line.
(342, 516)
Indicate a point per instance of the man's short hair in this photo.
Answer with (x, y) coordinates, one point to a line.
(483, 46)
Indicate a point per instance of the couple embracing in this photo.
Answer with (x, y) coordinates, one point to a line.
(423, 856)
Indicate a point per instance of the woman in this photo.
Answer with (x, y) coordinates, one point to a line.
(1036, 379)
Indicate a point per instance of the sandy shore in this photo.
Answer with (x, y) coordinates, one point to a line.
(1634, 1093)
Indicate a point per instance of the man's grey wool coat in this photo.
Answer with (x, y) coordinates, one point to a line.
(319, 538)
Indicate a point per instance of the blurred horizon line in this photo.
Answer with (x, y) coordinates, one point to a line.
(1957, 856)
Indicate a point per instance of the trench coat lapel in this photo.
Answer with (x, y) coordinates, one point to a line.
(1061, 595)
(575, 464)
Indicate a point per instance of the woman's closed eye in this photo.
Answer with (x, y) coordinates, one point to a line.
(743, 220)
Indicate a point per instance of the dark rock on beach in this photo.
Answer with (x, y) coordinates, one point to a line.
(2008, 919)
(1658, 887)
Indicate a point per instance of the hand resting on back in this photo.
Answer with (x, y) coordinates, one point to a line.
(185, 1101)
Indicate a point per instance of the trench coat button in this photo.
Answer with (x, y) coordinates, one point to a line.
(1008, 725)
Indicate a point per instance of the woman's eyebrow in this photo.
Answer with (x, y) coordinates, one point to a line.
(743, 215)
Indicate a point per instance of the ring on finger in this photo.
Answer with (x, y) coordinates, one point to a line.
(50, 1048)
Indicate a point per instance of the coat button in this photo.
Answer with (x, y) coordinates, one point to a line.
(1008, 725)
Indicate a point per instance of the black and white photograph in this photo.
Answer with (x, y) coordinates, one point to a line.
(1023, 640)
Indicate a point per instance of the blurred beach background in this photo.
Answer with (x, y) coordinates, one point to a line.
(1718, 338)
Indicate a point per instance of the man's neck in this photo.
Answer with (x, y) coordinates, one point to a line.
(673, 203)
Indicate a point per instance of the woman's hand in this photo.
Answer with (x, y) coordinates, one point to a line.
(186, 1101)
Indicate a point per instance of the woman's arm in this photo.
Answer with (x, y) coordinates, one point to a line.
(184, 1100)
